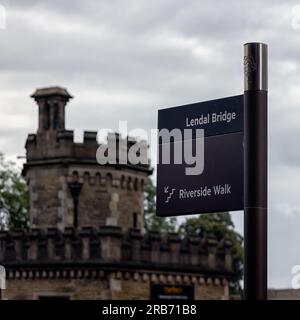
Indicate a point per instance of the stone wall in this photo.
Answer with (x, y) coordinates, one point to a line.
(107, 263)
(63, 256)
(110, 243)
(95, 285)
(109, 194)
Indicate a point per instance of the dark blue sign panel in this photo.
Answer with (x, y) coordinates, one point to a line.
(220, 116)
(213, 182)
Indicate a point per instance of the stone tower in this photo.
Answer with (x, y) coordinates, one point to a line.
(86, 239)
(67, 187)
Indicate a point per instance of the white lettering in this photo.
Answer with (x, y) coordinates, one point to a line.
(205, 191)
(211, 118)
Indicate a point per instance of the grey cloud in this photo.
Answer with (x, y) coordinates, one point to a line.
(124, 59)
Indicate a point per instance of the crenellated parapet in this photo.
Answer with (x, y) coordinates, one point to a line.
(53, 144)
(69, 182)
(87, 238)
(109, 246)
(60, 147)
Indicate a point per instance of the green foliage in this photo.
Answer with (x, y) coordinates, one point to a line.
(218, 224)
(14, 198)
(221, 226)
(153, 222)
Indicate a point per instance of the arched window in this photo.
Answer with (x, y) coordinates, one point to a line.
(134, 220)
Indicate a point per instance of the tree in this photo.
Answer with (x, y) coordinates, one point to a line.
(153, 222)
(218, 224)
(14, 198)
(221, 226)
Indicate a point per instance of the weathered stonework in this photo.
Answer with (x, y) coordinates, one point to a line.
(110, 194)
(106, 288)
(106, 263)
(87, 237)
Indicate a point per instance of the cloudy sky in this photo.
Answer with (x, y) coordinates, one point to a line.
(123, 59)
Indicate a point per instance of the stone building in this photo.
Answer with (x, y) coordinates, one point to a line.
(87, 238)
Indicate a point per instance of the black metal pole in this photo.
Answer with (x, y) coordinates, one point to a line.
(255, 171)
(2, 281)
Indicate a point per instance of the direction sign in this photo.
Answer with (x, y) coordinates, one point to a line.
(172, 292)
(200, 163)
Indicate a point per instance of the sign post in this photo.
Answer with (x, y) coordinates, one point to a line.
(227, 141)
(2, 281)
(255, 171)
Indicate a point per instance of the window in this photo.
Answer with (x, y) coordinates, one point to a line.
(134, 220)
(47, 116)
(56, 116)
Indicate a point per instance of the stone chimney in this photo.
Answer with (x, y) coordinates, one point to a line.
(52, 102)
